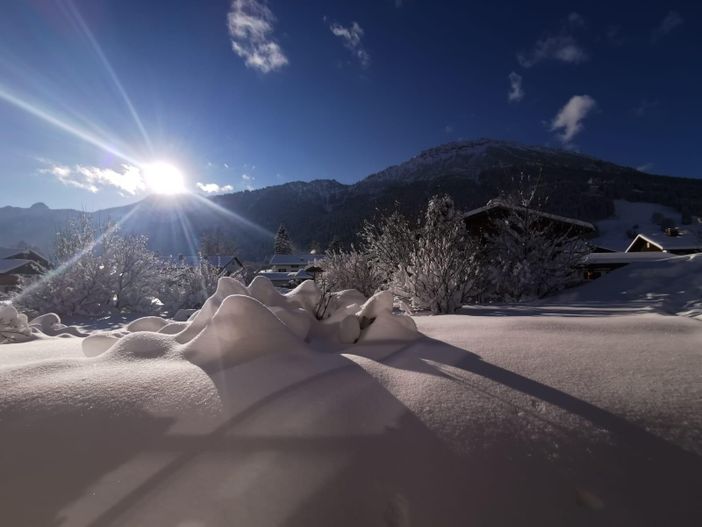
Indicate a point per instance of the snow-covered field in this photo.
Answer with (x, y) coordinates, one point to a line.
(582, 412)
(612, 231)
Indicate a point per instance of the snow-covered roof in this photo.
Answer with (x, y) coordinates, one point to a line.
(626, 258)
(293, 259)
(6, 252)
(686, 240)
(9, 265)
(495, 204)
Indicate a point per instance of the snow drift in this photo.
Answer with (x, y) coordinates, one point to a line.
(239, 323)
(672, 286)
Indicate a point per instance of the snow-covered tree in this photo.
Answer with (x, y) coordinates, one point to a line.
(282, 244)
(441, 268)
(527, 257)
(98, 271)
(350, 270)
(135, 271)
(388, 240)
(187, 287)
(433, 265)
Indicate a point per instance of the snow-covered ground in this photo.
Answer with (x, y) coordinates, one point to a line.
(612, 231)
(587, 413)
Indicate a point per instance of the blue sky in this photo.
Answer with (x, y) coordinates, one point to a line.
(248, 93)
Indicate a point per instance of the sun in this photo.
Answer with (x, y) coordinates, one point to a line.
(163, 178)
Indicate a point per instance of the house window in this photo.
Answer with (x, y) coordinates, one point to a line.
(282, 270)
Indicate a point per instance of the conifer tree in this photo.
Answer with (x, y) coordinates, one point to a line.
(281, 244)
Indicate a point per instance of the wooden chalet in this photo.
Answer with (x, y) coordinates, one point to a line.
(480, 221)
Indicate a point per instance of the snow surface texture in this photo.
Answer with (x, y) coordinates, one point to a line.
(582, 417)
(240, 323)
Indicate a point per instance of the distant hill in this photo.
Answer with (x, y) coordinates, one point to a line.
(315, 212)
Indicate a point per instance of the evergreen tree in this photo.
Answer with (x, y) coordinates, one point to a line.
(282, 244)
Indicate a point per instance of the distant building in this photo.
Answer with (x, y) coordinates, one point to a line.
(480, 221)
(18, 263)
(289, 269)
(673, 241)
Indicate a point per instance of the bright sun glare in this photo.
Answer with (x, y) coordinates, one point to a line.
(163, 178)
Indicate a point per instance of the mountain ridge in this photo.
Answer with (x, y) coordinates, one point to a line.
(317, 211)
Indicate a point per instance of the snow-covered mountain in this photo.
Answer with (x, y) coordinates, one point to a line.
(318, 211)
(471, 158)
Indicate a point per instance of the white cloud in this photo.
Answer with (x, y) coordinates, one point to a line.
(250, 24)
(569, 121)
(246, 177)
(351, 37)
(516, 93)
(558, 47)
(671, 21)
(646, 167)
(448, 129)
(128, 179)
(561, 46)
(214, 188)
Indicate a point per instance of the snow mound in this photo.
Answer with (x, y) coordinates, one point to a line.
(147, 324)
(15, 327)
(257, 331)
(238, 324)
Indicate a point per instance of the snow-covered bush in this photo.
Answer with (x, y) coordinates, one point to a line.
(350, 269)
(526, 257)
(432, 266)
(185, 287)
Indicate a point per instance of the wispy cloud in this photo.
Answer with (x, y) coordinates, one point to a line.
(561, 46)
(645, 107)
(248, 181)
(250, 24)
(128, 179)
(576, 19)
(569, 120)
(352, 39)
(670, 22)
(646, 167)
(516, 93)
(214, 188)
